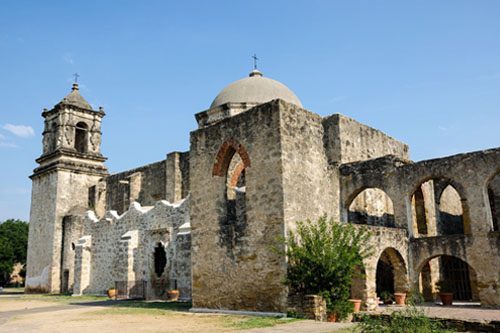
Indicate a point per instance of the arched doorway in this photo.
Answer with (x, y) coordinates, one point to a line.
(456, 272)
(391, 273)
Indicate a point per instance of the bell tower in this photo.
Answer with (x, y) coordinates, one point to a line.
(70, 165)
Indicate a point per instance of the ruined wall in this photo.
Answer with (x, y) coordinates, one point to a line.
(469, 174)
(310, 188)
(122, 249)
(238, 271)
(347, 140)
(146, 185)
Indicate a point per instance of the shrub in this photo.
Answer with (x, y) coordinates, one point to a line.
(322, 260)
(409, 320)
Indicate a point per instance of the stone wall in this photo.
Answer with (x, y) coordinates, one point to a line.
(242, 273)
(122, 249)
(347, 140)
(310, 188)
(55, 196)
(145, 184)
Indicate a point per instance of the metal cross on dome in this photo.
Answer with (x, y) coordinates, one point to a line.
(255, 61)
(76, 75)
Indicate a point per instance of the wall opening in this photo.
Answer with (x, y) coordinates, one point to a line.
(453, 270)
(372, 206)
(494, 201)
(160, 259)
(451, 220)
(81, 137)
(438, 209)
(391, 274)
(232, 162)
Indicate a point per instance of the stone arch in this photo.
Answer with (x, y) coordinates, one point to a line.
(81, 137)
(371, 206)
(452, 268)
(429, 211)
(493, 195)
(225, 155)
(231, 162)
(391, 272)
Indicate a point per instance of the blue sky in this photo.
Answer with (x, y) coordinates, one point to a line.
(425, 72)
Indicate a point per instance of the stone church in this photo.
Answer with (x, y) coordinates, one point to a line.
(205, 221)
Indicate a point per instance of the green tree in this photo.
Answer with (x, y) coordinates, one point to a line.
(13, 246)
(322, 260)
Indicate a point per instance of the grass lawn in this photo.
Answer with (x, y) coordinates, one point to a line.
(154, 308)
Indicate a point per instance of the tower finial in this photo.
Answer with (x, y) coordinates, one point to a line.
(75, 84)
(255, 61)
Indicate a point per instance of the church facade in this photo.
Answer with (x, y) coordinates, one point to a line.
(206, 221)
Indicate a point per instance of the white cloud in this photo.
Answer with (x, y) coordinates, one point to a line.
(68, 58)
(21, 131)
(337, 99)
(7, 145)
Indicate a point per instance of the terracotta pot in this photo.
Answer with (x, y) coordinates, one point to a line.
(446, 298)
(357, 304)
(173, 295)
(112, 293)
(400, 298)
(331, 317)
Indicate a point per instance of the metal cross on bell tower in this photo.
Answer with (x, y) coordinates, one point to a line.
(76, 76)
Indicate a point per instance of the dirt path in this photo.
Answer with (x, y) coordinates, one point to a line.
(20, 315)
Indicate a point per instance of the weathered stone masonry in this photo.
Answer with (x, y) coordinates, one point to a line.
(206, 221)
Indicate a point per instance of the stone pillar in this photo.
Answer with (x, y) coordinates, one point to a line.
(126, 253)
(82, 265)
(174, 177)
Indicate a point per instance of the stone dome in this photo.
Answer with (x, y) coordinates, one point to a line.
(255, 89)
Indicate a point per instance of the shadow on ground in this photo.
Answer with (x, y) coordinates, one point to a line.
(159, 305)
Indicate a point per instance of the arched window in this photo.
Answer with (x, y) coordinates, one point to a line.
(372, 206)
(438, 209)
(450, 212)
(81, 137)
(231, 163)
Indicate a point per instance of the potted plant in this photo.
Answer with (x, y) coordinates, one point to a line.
(173, 294)
(386, 297)
(356, 304)
(445, 289)
(339, 310)
(111, 292)
(400, 298)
